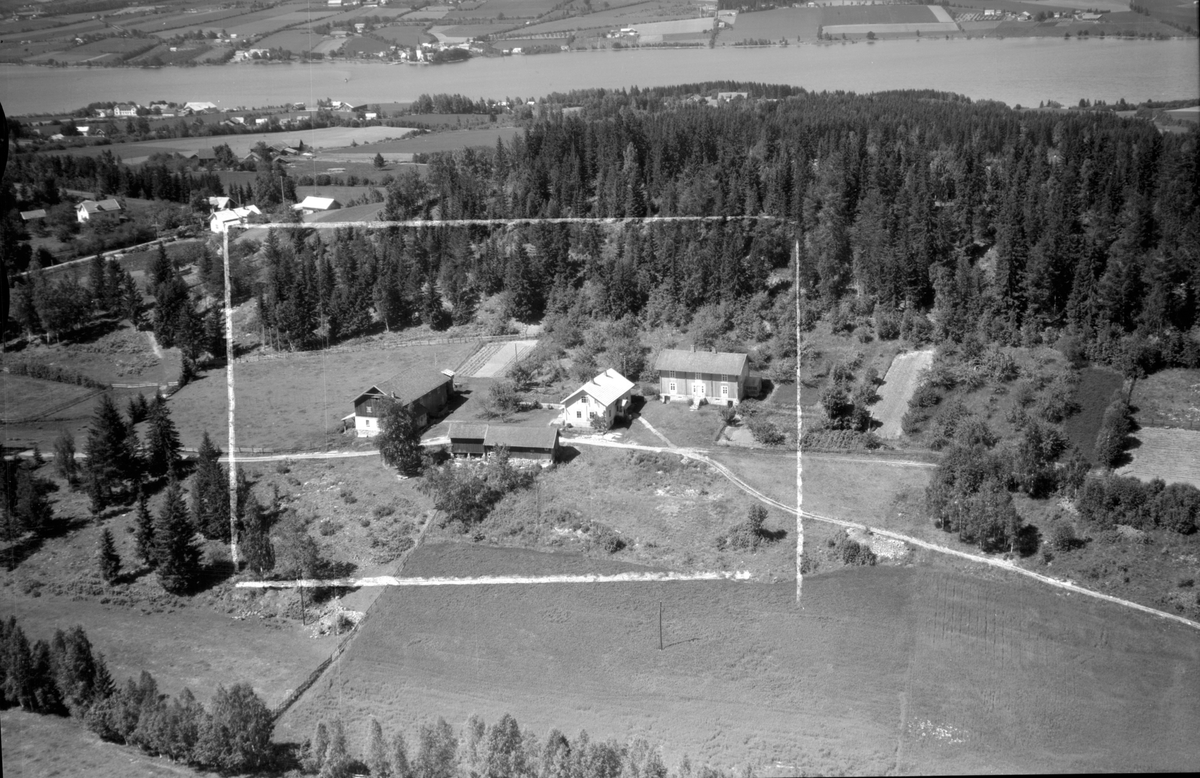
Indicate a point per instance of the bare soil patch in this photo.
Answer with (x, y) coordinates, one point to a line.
(897, 389)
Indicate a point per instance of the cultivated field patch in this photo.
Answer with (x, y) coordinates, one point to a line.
(790, 23)
(897, 389)
(1096, 388)
(403, 35)
(453, 140)
(1170, 454)
(895, 647)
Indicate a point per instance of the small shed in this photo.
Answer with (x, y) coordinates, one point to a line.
(466, 438)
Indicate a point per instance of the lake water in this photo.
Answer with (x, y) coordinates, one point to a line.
(1012, 70)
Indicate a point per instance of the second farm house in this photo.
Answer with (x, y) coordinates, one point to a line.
(605, 397)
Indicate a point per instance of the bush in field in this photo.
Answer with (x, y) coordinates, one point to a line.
(749, 534)
(851, 552)
(1114, 429)
(766, 432)
(468, 493)
(1063, 538)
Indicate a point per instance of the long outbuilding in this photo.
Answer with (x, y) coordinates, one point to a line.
(469, 439)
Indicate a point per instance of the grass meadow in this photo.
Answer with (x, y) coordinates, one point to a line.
(790, 23)
(1096, 388)
(297, 401)
(1169, 398)
(23, 396)
(857, 679)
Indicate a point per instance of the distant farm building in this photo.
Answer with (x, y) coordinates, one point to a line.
(221, 221)
(28, 216)
(424, 393)
(125, 109)
(197, 107)
(91, 209)
(469, 439)
(712, 376)
(606, 396)
(314, 204)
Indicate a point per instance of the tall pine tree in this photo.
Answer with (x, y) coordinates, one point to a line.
(162, 441)
(177, 552)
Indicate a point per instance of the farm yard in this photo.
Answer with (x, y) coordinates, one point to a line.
(1170, 454)
(886, 640)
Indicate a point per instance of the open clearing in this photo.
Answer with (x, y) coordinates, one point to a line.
(1170, 398)
(1096, 388)
(897, 389)
(454, 140)
(296, 401)
(1170, 454)
(855, 680)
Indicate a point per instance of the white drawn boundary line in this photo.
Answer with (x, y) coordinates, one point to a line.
(615, 220)
(496, 580)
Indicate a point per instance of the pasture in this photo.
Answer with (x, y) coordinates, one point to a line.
(877, 14)
(1169, 398)
(325, 138)
(363, 45)
(1170, 454)
(618, 15)
(291, 40)
(297, 401)
(897, 389)
(403, 35)
(798, 23)
(867, 676)
(24, 396)
(1177, 11)
(454, 140)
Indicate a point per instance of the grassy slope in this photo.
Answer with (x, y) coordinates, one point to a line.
(860, 678)
(51, 746)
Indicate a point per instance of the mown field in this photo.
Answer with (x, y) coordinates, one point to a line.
(296, 402)
(453, 140)
(23, 396)
(886, 669)
(1169, 398)
(1170, 454)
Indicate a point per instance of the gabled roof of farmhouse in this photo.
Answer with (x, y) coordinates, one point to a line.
(720, 362)
(406, 386)
(92, 206)
(39, 213)
(318, 203)
(606, 387)
(235, 214)
(466, 430)
(515, 436)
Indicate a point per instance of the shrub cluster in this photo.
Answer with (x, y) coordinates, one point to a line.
(61, 375)
(748, 535)
(1114, 431)
(468, 493)
(1110, 500)
(65, 676)
(851, 552)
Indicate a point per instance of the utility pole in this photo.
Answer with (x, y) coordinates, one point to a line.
(660, 647)
(233, 517)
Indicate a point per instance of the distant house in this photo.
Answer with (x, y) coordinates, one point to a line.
(522, 442)
(104, 113)
(221, 221)
(606, 396)
(199, 107)
(219, 203)
(91, 209)
(314, 204)
(28, 216)
(125, 109)
(425, 393)
(709, 375)
(206, 156)
(733, 95)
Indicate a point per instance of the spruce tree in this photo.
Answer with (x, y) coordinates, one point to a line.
(210, 495)
(401, 767)
(108, 450)
(108, 558)
(144, 531)
(337, 759)
(64, 457)
(162, 441)
(177, 552)
(255, 540)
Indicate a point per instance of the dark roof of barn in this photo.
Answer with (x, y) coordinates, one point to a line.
(465, 430)
(721, 362)
(407, 386)
(520, 437)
